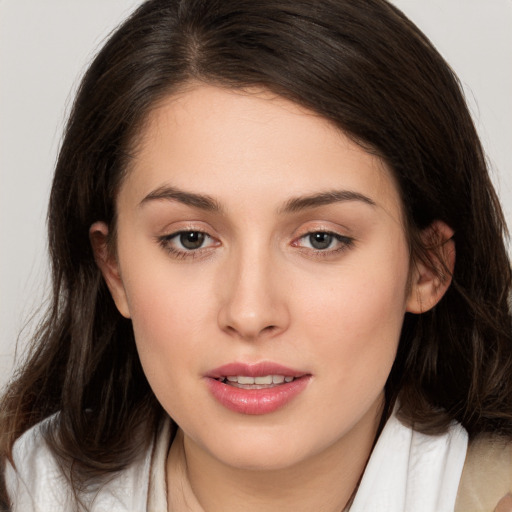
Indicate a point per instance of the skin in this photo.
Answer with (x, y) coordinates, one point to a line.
(258, 290)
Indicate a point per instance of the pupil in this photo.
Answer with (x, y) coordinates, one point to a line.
(192, 239)
(320, 240)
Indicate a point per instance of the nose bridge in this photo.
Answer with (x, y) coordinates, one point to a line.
(253, 300)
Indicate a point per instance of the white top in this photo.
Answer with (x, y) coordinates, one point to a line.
(407, 471)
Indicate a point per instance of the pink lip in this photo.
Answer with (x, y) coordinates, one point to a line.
(256, 401)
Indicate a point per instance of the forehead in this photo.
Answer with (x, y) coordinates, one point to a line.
(218, 141)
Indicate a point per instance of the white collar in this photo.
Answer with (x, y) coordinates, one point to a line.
(407, 471)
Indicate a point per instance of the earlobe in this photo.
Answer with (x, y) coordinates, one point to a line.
(432, 276)
(107, 263)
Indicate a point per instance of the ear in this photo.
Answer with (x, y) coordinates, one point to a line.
(431, 277)
(107, 263)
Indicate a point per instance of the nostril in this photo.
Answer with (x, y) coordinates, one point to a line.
(248, 333)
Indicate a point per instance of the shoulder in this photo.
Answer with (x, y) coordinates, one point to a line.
(486, 481)
(38, 482)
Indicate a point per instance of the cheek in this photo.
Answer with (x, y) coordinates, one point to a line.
(359, 297)
(356, 315)
(355, 331)
(169, 310)
(167, 325)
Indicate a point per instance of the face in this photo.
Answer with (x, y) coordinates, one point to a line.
(262, 258)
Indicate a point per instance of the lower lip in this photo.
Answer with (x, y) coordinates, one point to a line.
(257, 401)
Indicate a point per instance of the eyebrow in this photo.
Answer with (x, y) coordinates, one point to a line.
(324, 198)
(203, 202)
(296, 204)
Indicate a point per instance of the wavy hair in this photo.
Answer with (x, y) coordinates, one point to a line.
(359, 63)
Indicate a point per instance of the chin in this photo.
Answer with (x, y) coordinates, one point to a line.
(257, 450)
(262, 459)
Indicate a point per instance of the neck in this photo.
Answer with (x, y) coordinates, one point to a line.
(325, 482)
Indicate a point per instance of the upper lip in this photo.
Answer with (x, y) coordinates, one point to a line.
(254, 370)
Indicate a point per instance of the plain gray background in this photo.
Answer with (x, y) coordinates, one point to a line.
(46, 45)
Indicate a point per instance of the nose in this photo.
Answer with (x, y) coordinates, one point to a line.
(254, 303)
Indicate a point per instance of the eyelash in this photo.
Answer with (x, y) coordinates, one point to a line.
(344, 243)
(165, 242)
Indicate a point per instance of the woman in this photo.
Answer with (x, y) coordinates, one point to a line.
(280, 280)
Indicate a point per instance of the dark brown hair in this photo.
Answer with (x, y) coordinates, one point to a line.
(359, 63)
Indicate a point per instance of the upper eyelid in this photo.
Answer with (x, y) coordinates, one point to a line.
(179, 232)
(169, 234)
(327, 231)
(335, 225)
(171, 230)
(335, 234)
(300, 232)
(341, 231)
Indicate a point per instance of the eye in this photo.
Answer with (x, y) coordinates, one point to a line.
(320, 241)
(191, 239)
(186, 243)
(324, 241)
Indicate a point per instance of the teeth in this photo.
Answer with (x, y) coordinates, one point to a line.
(263, 380)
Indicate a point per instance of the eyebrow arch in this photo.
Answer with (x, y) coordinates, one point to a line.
(165, 192)
(324, 198)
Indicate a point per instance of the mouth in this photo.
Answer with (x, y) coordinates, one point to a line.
(259, 388)
(262, 382)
